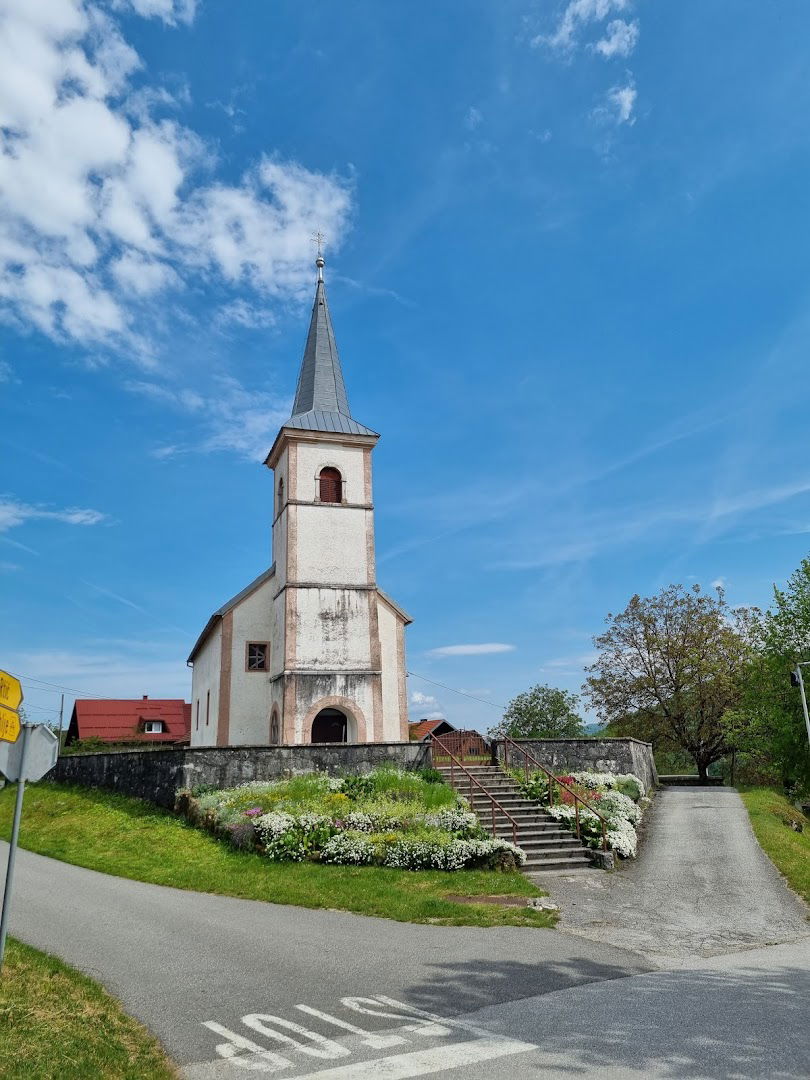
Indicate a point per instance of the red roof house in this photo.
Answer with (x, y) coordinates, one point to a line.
(420, 729)
(148, 720)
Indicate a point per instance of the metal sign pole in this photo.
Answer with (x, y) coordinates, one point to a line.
(12, 847)
(804, 698)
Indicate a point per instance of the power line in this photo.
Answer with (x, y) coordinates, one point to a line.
(58, 688)
(453, 690)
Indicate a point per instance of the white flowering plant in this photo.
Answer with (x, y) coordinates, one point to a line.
(607, 794)
(389, 817)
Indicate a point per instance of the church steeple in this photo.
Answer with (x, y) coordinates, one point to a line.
(321, 402)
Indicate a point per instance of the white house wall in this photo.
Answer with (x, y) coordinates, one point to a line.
(204, 682)
(391, 672)
(250, 700)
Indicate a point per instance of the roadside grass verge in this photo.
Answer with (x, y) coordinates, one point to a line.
(56, 1022)
(789, 851)
(131, 838)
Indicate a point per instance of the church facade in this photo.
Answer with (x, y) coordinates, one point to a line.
(311, 650)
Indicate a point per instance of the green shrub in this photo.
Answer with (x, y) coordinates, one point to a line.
(431, 776)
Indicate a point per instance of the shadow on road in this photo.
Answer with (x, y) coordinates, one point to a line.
(729, 1024)
(480, 983)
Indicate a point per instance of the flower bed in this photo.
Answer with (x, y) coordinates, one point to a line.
(618, 797)
(405, 820)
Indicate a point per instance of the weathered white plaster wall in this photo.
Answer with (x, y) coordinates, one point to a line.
(391, 671)
(332, 544)
(251, 690)
(332, 629)
(205, 677)
(280, 521)
(322, 691)
(312, 457)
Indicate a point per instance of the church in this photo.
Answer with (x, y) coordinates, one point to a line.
(312, 650)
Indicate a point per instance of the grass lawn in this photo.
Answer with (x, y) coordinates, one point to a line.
(56, 1023)
(130, 838)
(788, 850)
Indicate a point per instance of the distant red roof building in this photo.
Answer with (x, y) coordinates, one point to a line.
(149, 720)
(420, 729)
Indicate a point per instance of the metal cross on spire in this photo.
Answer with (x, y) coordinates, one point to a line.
(318, 239)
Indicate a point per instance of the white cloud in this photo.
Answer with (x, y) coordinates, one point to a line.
(720, 583)
(570, 663)
(170, 11)
(241, 313)
(230, 416)
(621, 101)
(141, 275)
(472, 650)
(473, 118)
(620, 39)
(106, 205)
(577, 14)
(6, 371)
(424, 701)
(14, 514)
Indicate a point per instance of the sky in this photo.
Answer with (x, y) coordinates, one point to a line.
(569, 272)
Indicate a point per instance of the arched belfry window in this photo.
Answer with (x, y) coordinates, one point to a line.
(330, 485)
(280, 495)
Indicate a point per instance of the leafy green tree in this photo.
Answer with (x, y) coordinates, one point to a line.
(669, 667)
(542, 712)
(769, 723)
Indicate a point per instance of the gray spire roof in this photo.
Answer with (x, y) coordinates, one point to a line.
(321, 403)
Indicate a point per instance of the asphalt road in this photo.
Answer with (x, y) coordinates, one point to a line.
(234, 986)
(700, 887)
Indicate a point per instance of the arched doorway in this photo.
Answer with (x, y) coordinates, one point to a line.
(329, 726)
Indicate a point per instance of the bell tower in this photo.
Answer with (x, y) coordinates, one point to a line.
(337, 650)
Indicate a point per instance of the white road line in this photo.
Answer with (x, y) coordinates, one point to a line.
(423, 1062)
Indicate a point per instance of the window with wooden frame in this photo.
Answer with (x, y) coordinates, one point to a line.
(330, 485)
(257, 657)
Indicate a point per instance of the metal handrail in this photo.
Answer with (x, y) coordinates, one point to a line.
(527, 755)
(495, 804)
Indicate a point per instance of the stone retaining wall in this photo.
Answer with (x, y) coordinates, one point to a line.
(597, 755)
(157, 774)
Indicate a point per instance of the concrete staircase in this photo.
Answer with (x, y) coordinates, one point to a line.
(548, 846)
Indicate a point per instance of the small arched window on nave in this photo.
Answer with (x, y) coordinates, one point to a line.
(330, 486)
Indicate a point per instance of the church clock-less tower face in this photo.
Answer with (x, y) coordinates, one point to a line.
(337, 655)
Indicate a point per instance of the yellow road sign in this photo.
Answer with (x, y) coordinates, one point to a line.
(11, 694)
(9, 724)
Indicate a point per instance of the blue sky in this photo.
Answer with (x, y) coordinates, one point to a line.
(568, 269)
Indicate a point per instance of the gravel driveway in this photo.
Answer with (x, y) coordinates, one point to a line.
(701, 886)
